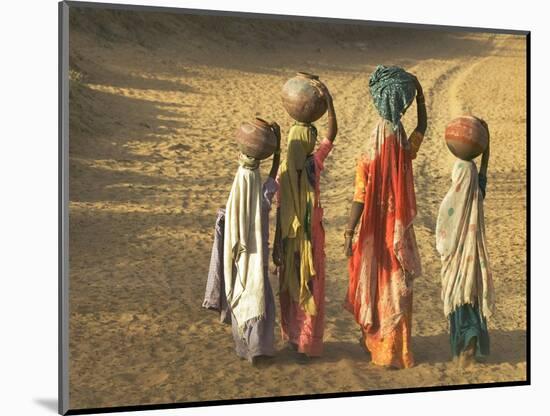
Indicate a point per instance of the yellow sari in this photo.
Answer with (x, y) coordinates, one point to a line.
(296, 208)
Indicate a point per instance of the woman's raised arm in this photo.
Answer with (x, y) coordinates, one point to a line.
(422, 115)
(331, 114)
(484, 162)
(417, 135)
(277, 155)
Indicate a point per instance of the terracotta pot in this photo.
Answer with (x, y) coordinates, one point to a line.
(301, 100)
(256, 139)
(466, 137)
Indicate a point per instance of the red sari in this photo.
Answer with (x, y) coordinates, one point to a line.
(385, 257)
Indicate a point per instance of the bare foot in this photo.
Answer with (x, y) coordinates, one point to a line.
(464, 361)
(363, 345)
(456, 361)
(467, 358)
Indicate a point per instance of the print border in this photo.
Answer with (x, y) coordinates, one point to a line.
(63, 209)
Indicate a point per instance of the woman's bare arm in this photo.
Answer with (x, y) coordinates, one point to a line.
(277, 243)
(354, 217)
(484, 162)
(421, 113)
(332, 122)
(485, 157)
(417, 136)
(274, 169)
(277, 155)
(331, 114)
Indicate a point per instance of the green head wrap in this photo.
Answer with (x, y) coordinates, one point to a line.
(392, 90)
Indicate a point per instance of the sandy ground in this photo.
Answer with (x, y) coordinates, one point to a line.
(154, 103)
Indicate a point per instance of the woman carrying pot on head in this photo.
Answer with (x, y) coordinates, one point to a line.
(299, 247)
(466, 278)
(385, 259)
(238, 282)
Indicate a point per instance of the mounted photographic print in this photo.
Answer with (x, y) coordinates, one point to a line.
(264, 207)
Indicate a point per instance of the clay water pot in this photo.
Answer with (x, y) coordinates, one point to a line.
(301, 100)
(256, 139)
(466, 137)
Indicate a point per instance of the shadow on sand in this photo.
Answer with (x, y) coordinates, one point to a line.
(506, 347)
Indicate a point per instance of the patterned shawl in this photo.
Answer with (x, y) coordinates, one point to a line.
(460, 236)
(385, 257)
(243, 260)
(296, 208)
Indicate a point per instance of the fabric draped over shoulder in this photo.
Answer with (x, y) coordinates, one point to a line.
(297, 196)
(466, 275)
(385, 256)
(243, 260)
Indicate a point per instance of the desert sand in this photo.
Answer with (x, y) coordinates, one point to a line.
(154, 102)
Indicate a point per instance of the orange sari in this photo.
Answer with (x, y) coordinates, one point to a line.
(385, 257)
